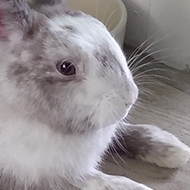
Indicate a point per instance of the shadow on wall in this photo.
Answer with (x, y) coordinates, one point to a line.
(166, 23)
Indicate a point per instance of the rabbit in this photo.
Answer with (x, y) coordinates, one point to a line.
(65, 89)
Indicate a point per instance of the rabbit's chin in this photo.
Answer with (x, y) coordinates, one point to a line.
(115, 116)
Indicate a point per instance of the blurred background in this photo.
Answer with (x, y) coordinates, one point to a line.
(167, 19)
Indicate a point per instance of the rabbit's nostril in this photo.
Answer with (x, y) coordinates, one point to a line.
(128, 105)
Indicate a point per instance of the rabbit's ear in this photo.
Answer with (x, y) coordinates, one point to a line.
(16, 18)
(48, 7)
(46, 2)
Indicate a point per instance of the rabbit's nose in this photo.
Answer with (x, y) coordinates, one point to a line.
(131, 93)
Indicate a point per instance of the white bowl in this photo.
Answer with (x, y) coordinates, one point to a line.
(111, 12)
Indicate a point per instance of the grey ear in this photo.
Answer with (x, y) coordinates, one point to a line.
(49, 7)
(45, 2)
(15, 16)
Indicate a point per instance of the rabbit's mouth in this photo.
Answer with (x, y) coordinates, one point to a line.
(110, 111)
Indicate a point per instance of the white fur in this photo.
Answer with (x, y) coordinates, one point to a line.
(31, 150)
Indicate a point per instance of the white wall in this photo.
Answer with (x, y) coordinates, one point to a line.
(166, 19)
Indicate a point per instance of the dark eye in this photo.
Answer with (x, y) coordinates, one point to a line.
(66, 68)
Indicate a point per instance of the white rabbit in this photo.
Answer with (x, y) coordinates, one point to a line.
(64, 90)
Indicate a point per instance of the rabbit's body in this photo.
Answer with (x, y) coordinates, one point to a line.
(65, 89)
(31, 152)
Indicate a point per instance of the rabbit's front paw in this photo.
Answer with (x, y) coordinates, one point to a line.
(152, 144)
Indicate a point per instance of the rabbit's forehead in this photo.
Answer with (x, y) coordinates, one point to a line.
(82, 27)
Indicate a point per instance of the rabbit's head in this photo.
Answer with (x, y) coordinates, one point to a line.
(64, 70)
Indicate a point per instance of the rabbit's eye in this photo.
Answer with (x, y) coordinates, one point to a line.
(66, 68)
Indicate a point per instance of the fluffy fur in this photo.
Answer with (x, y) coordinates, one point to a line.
(54, 129)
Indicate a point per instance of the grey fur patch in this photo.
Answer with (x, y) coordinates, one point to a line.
(70, 29)
(19, 71)
(140, 141)
(74, 13)
(9, 182)
(85, 125)
(54, 7)
(49, 7)
(45, 2)
(135, 141)
(17, 11)
(108, 60)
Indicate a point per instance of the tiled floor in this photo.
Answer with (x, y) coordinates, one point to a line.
(169, 108)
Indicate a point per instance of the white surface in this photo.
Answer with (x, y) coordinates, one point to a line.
(111, 12)
(169, 18)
